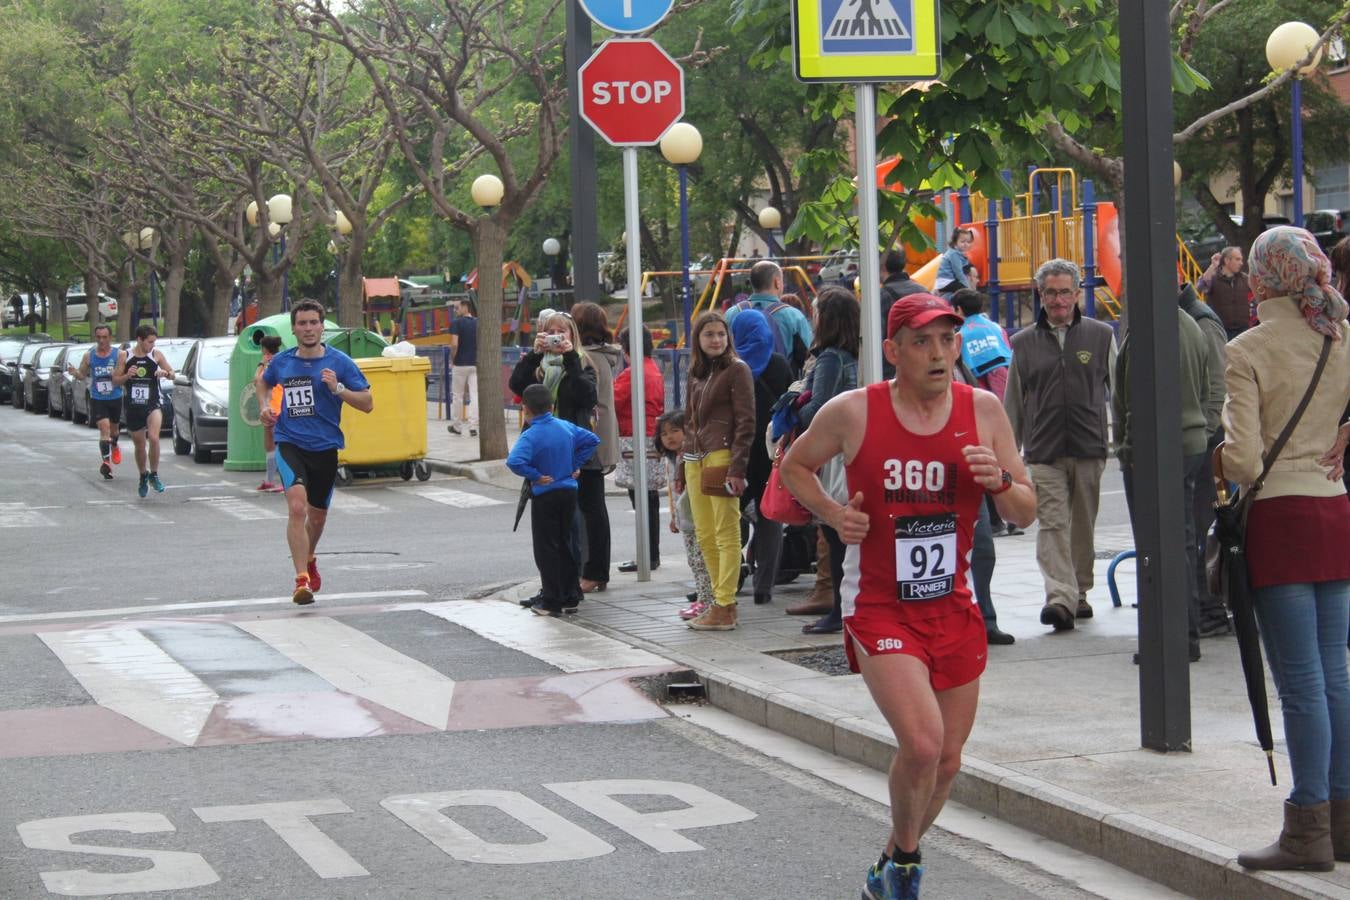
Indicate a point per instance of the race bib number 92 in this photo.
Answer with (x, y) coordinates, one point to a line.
(925, 557)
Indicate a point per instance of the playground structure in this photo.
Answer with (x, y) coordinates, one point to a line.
(1014, 236)
(425, 319)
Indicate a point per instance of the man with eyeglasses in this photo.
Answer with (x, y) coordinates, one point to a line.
(1056, 400)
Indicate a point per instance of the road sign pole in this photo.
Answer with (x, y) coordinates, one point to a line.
(869, 268)
(633, 223)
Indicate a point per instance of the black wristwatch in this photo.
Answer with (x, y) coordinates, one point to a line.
(1007, 483)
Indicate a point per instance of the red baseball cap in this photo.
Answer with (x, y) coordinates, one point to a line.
(916, 311)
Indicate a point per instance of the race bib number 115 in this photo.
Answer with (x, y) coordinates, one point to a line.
(298, 396)
(925, 557)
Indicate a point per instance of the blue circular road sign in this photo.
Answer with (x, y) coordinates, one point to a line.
(626, 16)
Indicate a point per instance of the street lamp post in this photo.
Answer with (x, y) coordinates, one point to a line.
(1287, 46)
(338, 247)
(552, 248)
(141, 240)
(681, 147)
(279, 215)
(769, 219)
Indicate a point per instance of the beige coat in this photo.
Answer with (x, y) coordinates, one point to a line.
(1269, 369)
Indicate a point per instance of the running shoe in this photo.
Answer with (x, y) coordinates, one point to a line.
(315, 582)
(156, 483)
(901, 881)
(266, 486)
(144, 487)
(116, 455)
(875, 886)
(106, 471)
(303, 595)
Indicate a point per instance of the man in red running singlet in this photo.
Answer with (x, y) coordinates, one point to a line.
(920, 452)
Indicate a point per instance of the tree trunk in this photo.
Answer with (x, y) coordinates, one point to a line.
(173, 287)
(92, 286)
(126, 298)
(56, 304)
(222, 291)
(267, 283)
(489, 246)
(350, 291)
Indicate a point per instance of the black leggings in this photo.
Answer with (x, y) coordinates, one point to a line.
(653, 524)
(595, 525)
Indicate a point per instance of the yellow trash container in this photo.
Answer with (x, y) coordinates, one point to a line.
(395, 432)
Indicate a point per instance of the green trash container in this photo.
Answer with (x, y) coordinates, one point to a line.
(358, 343)
(244, 441)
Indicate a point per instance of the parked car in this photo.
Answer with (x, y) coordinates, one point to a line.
(839, 268)
(19, 308)
(201, 399)
(1210, 240)
(22, 365)
(61, 384)
(77, 307)
(37, 376)
(1329, 226)
(10, 345)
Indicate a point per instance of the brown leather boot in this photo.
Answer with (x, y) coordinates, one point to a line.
(715, 618)
(821, 599)
(1340, 829)
(1305, 842)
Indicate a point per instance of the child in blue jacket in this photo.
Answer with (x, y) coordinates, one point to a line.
(548, 455)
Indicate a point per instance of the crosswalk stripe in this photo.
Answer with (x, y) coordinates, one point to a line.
(201, 604)
(241, 509)
(140, 509)
(354, 662)
(351, 504)
(450, 497)
(126, 672)
(559, 643)
(21, 515)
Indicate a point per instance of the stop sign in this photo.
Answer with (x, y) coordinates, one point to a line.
(631, 92)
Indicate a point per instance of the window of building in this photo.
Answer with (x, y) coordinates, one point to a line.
(1331, 185)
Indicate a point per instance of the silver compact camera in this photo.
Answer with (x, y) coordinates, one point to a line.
(554, 341)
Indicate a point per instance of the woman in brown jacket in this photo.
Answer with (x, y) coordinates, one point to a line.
(719, 429)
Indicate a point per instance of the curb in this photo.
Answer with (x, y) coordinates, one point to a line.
(485, 472)
(1177, 859)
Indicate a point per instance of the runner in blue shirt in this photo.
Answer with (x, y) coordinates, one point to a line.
(315, 381)
(105, 397)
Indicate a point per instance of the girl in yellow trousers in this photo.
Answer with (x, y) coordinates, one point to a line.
(719, 428)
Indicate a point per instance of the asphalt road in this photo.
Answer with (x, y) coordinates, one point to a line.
(171, 725)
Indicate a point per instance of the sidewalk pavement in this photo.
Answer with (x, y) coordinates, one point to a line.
(1056, 745)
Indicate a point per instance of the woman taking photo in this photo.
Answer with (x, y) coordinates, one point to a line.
(837, 329)
(719, 428)
(1296, 559)
(557, 361)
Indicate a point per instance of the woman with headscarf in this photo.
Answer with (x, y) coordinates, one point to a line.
(1296, 559)
(752, 333)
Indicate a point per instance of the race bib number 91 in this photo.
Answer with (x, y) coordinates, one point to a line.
(298, 396)
(140, 393)
(925, 557)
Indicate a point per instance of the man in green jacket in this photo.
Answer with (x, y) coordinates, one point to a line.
(1194, 387)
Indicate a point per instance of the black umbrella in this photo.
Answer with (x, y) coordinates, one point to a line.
(525, 494)
(1229, 569)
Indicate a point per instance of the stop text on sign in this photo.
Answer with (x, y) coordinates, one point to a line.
(603, 92)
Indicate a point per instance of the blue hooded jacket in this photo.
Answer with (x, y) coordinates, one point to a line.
(752, 335)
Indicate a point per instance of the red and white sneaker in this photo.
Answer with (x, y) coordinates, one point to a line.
(303, 595)
(315, 582)
(693, 610)
(116, 455)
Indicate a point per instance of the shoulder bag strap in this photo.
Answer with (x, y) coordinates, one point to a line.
(1293, 420)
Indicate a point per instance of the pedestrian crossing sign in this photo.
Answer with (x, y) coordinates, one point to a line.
(865, 40)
